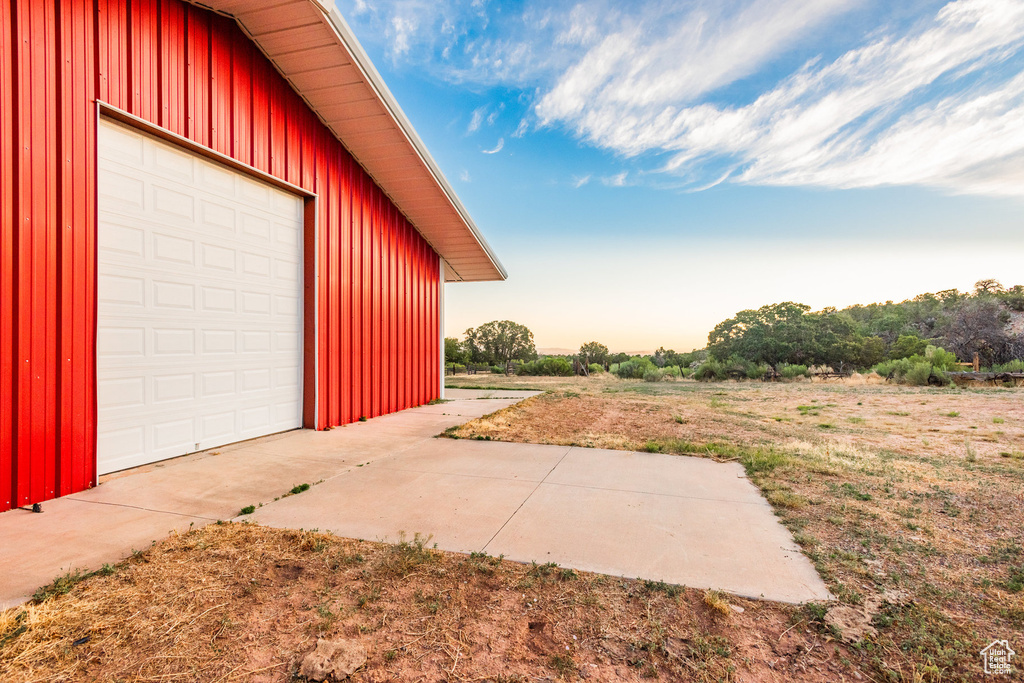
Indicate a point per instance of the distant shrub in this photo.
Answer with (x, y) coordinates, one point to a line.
(1016, 365)
(788, 371)
(710, 370)
(919, 374)
(634, 368)
(595, 368)
(940, 358)
(754, 371)
(918, 370)
(672, 371)
(497, 369)
(552, 367)
(654, 375)
(686, 372)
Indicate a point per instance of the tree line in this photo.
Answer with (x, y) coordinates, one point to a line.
(934, 329)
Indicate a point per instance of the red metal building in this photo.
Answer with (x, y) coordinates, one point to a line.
(215, 222)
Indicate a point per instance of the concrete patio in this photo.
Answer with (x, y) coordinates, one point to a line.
(682, 520)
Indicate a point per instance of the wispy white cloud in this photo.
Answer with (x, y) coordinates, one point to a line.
(900, 109)
(464, 176)
(497, 148)
(476, 120)
(617, 180)
(933, 99)
(580, 181)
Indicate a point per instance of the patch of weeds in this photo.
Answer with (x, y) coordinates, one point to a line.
(438, 401)
(390, 655)
(299, 489)
(548, 570)
(481, 437)
(247, 510)
(717, 602)
(571, 394)
(564, 665)
(1003, 551)
(372, 595)
(362, 418)
(482, 562)
(451, 433)
(897, 413)
(786, 499)
(952, 413)
(679, 419)
(62, 585)
(825, 425)
(762, 460)
(1015, 582)
(998, 420)
(405, 556)
(970, 454)
(809, 410)
(850, 490)
(669, 589)
(855, 420)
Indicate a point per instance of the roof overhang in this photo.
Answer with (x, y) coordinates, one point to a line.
(312, 46)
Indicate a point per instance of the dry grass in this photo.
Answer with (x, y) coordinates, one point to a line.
(237, 602)
(885, 488)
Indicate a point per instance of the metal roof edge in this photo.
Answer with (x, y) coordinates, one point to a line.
(362, 60)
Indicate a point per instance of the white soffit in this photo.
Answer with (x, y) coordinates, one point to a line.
(315, 50)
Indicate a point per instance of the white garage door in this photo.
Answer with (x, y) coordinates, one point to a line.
(199, 339)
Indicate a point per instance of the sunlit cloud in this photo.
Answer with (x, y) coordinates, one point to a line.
(580, 181)
(464, 176)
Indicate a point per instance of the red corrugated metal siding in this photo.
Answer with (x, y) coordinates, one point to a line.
(196, 74)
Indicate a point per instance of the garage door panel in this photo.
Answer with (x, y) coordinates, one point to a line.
(199, 303)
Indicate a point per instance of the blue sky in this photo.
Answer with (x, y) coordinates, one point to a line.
(647, 169)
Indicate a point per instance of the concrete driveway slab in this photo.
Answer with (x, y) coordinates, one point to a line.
(494, 460)
(690, 541)
(460, 513)
(658, 474)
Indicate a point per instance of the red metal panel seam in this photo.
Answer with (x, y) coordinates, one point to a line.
(367, 292)
(329, 308)
(345, 282)
(389, 358)
(199, 75)
(65, 245)
(220, 85)
(241, 98)
(84, 470)
(173, 65)
(415, 320)
(261, 84)
(49, 368)
(375, 311)
(402, 318)
(357, 296)
(7, 209)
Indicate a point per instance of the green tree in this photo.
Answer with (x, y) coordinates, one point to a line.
(593, 352)
(906, 346)
(500, 341)
(454, 351)
(773, 334)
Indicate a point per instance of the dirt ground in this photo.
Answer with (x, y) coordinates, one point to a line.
(891, 491)
(239, 602)
(909, 501)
